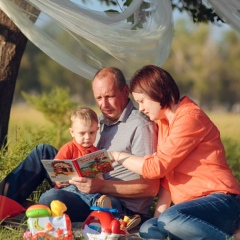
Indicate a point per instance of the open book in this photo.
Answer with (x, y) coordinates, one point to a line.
(89, 165)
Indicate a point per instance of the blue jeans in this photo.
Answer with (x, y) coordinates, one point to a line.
(30, 173)
(78, 204)
(89, 199)
(213, 217)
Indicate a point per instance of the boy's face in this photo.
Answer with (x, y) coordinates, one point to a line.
(84, 134)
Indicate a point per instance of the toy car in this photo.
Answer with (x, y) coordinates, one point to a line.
(101, 224)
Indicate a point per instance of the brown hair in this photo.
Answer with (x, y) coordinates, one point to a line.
(116, 73)
(85, 114)
(157, 84)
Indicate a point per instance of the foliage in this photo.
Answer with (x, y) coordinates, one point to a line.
(205, 69)
(199, 11)
(56, 106)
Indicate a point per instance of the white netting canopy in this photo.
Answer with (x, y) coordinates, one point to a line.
(83, 40)
(229, 11)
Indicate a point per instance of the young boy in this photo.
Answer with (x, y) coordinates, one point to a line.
(84, 127)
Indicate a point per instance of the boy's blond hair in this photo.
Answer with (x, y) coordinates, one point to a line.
(87, 115)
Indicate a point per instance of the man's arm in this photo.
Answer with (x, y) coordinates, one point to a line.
(130, 189)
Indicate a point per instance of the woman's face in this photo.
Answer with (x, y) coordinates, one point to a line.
(150, 108)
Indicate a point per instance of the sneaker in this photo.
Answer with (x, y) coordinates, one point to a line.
(104, 202)
(133, 222)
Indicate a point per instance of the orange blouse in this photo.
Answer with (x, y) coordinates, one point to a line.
(190, 157)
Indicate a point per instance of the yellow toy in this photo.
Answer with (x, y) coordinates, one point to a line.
(46, 223)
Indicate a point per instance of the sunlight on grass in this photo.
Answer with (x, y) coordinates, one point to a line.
(227, 123)
(23, 116)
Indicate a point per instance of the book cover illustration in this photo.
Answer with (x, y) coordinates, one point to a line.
(89, 165)
(60, 170)
(95, 163)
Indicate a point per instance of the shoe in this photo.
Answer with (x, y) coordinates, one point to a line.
(133, 222)
(104, 202)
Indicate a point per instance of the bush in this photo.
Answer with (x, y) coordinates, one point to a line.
(56, 107)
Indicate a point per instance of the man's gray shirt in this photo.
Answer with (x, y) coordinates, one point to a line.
(133, 133)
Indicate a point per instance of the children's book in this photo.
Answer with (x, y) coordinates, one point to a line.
(89, 165)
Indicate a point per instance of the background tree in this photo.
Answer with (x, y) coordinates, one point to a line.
(56, 107)
(205, 68)
(13, 43)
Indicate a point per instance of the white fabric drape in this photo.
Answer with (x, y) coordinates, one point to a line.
(228, 10)
(84, 41)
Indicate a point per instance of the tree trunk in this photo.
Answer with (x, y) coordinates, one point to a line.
(12, 46)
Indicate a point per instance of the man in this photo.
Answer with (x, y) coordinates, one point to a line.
(122, 128)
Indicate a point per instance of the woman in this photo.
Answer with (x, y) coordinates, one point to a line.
(190, 161)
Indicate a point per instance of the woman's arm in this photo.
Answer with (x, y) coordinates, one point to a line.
(164, 201)
(129, 161)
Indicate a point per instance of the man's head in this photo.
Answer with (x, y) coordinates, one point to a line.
(110, 92)
(84, 126)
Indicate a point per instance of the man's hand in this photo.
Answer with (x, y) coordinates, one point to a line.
(88, 185)
(129, 189)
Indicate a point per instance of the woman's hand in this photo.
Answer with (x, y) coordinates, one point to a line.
(114, 156)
